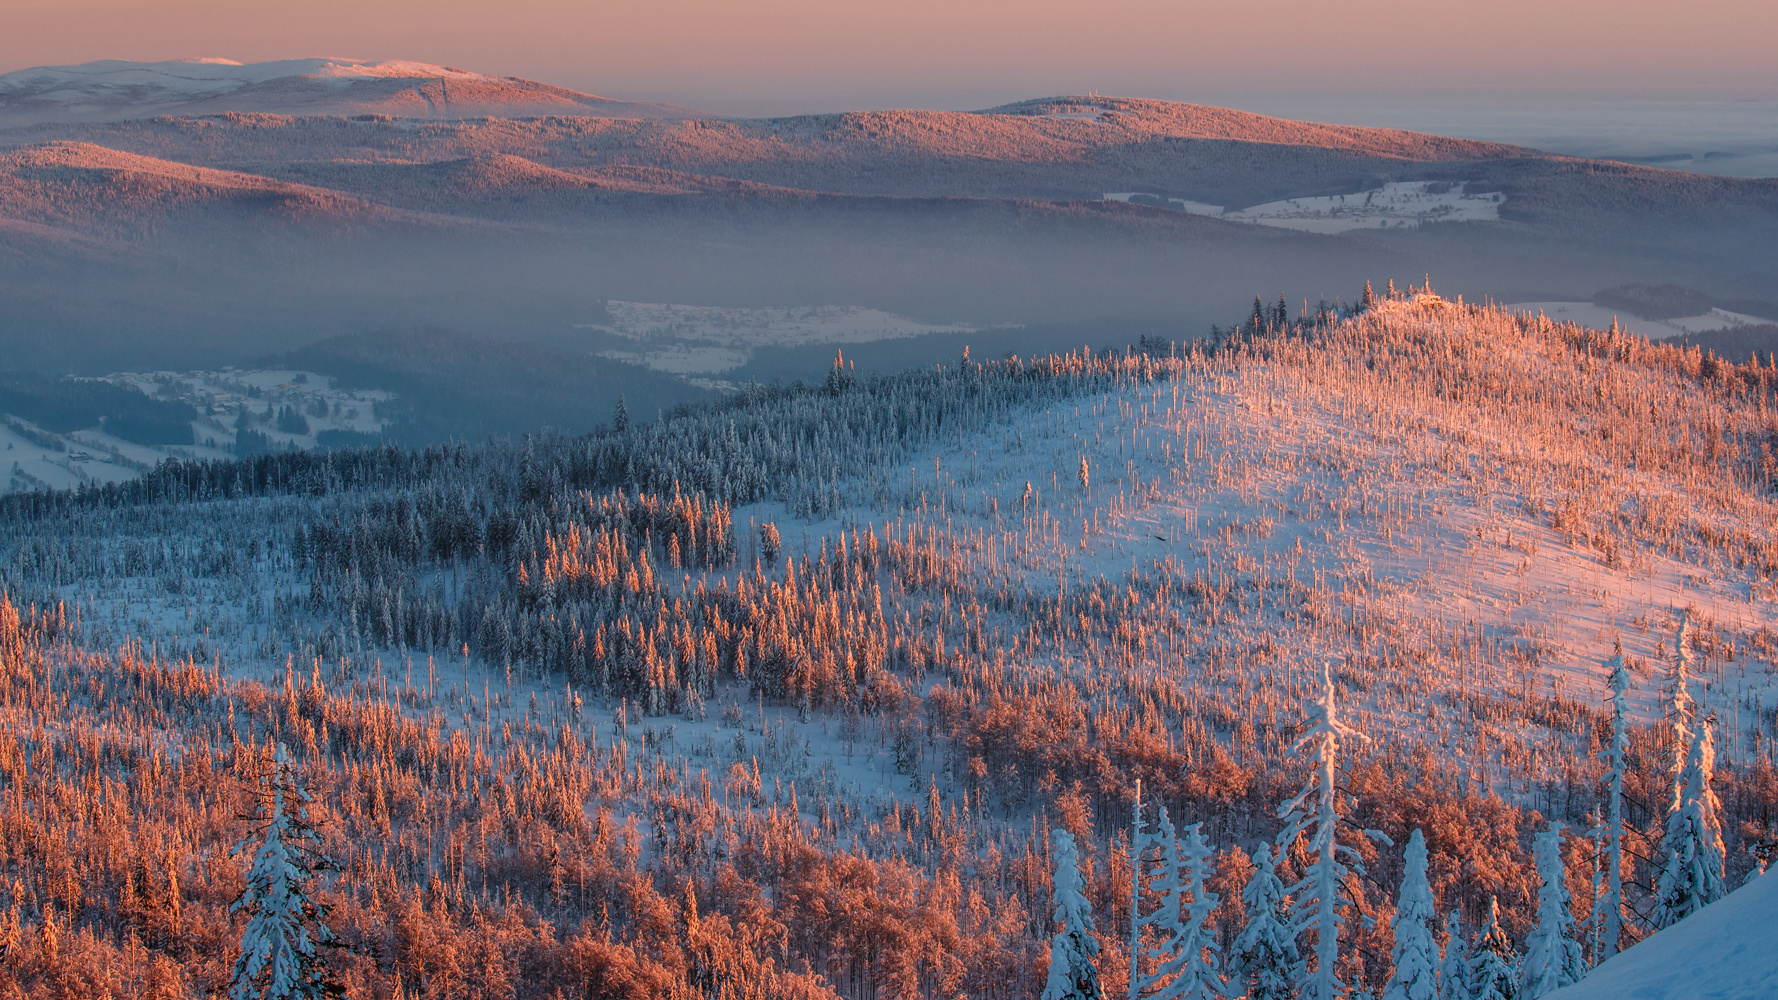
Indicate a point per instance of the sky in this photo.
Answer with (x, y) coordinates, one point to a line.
(756, 57)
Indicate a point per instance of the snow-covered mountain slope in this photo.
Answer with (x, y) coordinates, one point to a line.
(112, 89)
(839, 657)
(101, 192)
(1727, 951)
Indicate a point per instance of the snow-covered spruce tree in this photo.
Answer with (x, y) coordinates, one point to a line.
(1493, 971)
(1139, 845)
(1553, 958)
(1191, 973)
(1691, 854)
(1072, 975)
(1321, 897)
(1416, 953)
(1676, 703)
(284, 922)
(1453, 969)
(1153, 934)
(1608, 905)
(1264, 953)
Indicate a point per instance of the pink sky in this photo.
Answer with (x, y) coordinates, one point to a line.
(780, 56)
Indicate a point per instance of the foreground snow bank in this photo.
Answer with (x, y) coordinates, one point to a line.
(1728, 951)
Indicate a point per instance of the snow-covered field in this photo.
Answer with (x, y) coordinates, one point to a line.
(710, 340)
(37, 459)
(221, 396)
(1396, 204)
(1599, 317)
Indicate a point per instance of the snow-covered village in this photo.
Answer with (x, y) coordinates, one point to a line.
(714, 501)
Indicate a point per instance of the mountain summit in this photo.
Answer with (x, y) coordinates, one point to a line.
(117, 89)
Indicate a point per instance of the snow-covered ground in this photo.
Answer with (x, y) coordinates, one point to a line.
(221, 396)
(1599, 317)
(1257, 476)
(1297, 509)
(36, 458)
(1396, 204)
(710, 340)
(1726, 951)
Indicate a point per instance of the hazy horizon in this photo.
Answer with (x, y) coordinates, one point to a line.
(794, 56)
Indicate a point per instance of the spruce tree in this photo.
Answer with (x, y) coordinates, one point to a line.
(1453, 970)
(1189, 975)
(1264, 953)
(1553, 958)
(1152, 865)
(285, 923)
(1416, 953)
(1072, 975)
(1608, 907)
(1676, 704)
(1493, 972)
(1691, 853)
(1321, 896)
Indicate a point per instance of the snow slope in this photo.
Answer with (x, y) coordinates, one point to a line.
(1600, 317)
(1397, 204)
(1728, 951)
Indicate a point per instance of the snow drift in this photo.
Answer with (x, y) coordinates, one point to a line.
(1725, 952)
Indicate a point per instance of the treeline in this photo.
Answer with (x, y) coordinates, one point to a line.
(63, 405)
(453, 386)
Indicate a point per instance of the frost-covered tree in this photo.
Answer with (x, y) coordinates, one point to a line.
(285, 922)
(1676, 702)
(1493, 971)
(1140, 840)
(1553, 958)
(1264, 953)
(1191, 973)
(1321, 896)
(1151, 934)
(1416, 953)
(1691, 854)
(1608, 905)
(1072, 975)
(1453, 970)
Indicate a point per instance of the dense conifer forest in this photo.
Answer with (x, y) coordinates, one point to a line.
(1413, 650)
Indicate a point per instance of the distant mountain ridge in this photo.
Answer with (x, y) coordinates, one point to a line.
(257, 208)
(117, 89)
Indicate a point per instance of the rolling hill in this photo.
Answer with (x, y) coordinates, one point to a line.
(114, 89)
(262, 226)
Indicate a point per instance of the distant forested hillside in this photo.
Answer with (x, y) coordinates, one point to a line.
(453, 385)
(1739, 344)
(63, 405)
